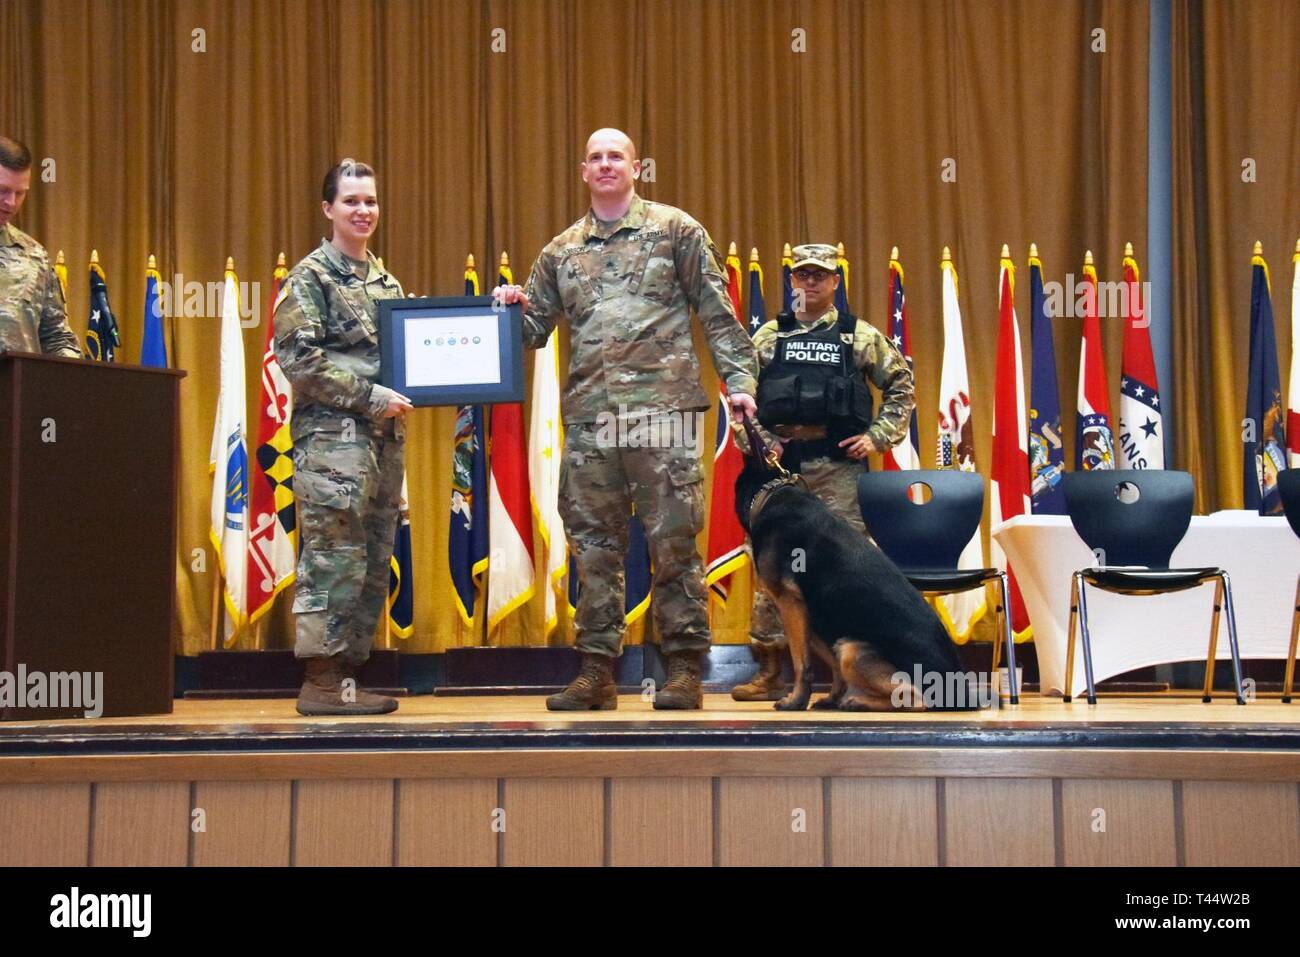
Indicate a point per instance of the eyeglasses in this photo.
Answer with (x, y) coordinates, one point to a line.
(812, 275)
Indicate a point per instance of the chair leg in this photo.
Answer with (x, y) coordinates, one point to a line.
(1290, 656)
(1206, 694)
(998, 613)
(1069, 641)
(1087, 643)
(1009, 638)
(1232, 639)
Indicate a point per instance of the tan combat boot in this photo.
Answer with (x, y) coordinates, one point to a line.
(323, 692)
(767, 684)
(592, 690)
(681, 692)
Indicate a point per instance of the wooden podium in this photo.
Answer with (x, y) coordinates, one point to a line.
(89, 455)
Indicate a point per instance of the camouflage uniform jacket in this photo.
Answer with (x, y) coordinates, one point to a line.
(627, 290)
(881, 363)
(327, 340)
(32, 313)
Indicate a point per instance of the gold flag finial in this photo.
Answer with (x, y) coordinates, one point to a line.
(1297, 248)
(280, 262)
(1087, 257)
(1259, 248)
(505, 258)
(1128, 250)
(893, 254)
(787, 253)
(1033, 250)
(839, 250)
(153, 262)
(469, 261)
(60, 261)
(94, 257)
(753, 253)
(1006, 251)
(732, 251)
(947, 254)
(230, 264)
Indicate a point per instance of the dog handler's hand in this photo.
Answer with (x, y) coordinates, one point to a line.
(859, 446)
(742, 405)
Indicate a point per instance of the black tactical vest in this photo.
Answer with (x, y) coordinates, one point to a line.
(812, 380)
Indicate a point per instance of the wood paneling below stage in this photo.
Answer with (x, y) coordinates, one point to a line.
(81, 794)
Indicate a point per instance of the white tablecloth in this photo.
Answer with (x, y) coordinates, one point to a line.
(1261, 556)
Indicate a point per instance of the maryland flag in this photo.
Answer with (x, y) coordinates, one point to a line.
(467, 537)
(153, 347)
(401, 592)
(1264, 437)
(906, 454)
(102, 339)
(1141, 419)
(273, 525)
(510, 517)
(1010, 485)
(1094, 443)
(725, 552)
(228, 463)
(1046, 450)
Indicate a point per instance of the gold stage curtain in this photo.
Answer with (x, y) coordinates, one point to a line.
(1236, 95)
(770, 121)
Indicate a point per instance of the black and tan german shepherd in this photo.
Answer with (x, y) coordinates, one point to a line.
(842, 598)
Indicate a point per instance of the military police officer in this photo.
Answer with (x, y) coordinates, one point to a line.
(626, 276)
(813, 397)
(347, 445)
(32, 315)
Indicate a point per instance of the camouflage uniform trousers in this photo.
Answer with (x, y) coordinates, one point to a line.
(348, 491)
(599, 483)
(836, 484)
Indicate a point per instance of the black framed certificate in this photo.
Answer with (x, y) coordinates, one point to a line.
(454, 350)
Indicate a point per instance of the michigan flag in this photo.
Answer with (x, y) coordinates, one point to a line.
(906, 454)
(1046, 450)
(102, 339)
(725, 552)
(228, 463)
(401, 586)
(1141, 419)
(1094, 442)
(153, 347)
(1264, 436)
(956, 449)
(273, 531)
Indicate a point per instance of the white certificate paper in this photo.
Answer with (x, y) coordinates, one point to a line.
(454, 350)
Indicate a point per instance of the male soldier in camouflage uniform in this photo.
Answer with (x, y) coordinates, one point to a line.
(348, 460)
(831, 474)
(626, 276)
(32, 317)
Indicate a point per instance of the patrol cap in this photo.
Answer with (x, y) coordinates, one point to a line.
(816, 254)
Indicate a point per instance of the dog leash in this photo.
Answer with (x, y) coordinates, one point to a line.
(760, 448)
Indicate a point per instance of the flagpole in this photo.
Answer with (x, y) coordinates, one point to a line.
(216, 608)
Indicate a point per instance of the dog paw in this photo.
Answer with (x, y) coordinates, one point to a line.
(853, 704)
(827, 703)
(792, 702)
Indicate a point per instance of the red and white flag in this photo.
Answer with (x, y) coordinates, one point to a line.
(904, 455)
(956, 450)
(725, 553)
(1141, 418)
(1293, 390)
(1094, 446)
(273, 527)
(1010, 484)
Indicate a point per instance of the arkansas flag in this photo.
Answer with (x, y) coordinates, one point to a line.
(228, 463)
(273, 528)
(510, 517)
(1293, 391)
(905, 454)
(956, 450)
(1010, 484)
(1094, 446)
(1141, 421)
(725, 553)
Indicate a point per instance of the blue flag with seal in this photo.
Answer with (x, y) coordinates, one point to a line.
(153, 347)
(636, 574)
(787, 280)
(1046, 450)
(1264, 437)
(401, 591)
(102, 339)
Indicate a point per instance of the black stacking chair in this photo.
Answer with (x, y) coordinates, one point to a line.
(1133, 519)
(1288, 484)
(925, 540)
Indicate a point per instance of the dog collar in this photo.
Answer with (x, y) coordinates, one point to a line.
(768, 489)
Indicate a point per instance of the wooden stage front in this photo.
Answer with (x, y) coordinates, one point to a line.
(499, 780)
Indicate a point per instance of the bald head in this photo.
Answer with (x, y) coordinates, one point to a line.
(607, 136)
(610, 169)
